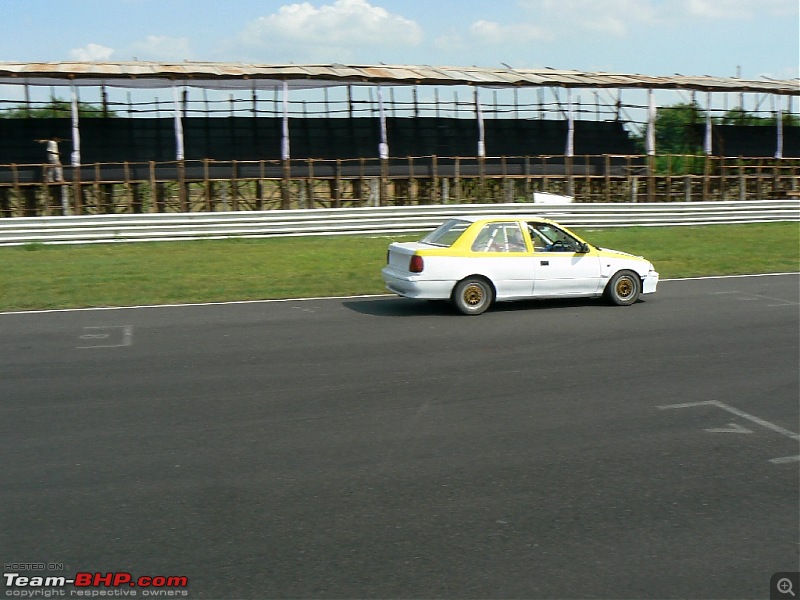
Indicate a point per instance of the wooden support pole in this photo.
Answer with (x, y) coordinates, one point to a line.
(260, 184)
(136, 198)
(669, 178)
(234, 186)
(153, 193)
(183, 195)
(742, 181)
(286, 180)
(570, 176)
(99, 203)
(410, 180)
(383, 196)
(5, 202)
(208, 190)
(434, 179)
(776, 178)
(337, 184)
(29, 208)
(528, 180)
(311, 185)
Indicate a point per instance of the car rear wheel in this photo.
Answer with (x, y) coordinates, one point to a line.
(624, 288)
(473, 295)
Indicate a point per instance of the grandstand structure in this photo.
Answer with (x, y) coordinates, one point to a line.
(85, 138)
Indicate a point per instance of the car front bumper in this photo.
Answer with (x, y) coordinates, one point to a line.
(650, 282)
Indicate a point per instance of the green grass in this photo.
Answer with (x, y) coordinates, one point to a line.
(37, 276)
(710, 250)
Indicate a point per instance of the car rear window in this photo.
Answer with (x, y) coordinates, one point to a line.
(447, 233)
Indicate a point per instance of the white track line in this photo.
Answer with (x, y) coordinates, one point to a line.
(234, 302)
(231, 302)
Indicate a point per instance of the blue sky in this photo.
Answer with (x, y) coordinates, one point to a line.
(654, 37)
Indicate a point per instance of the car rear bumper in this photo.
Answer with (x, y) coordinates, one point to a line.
(414, 286)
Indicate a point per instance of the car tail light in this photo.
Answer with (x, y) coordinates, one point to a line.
(416, 265)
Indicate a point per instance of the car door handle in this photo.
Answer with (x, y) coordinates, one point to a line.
(545, 263)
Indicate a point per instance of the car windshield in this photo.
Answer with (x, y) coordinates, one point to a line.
(446, 234)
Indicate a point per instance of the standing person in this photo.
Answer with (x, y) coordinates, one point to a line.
(54, 170)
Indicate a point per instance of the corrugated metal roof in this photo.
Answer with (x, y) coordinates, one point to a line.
(247, 76)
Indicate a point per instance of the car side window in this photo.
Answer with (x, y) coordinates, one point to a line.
(499, 237)
(547, 238)
(446, 234)
(540, 242)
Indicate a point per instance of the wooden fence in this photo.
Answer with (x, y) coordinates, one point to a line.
(215, 186)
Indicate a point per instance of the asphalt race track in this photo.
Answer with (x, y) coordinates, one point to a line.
(388, 448)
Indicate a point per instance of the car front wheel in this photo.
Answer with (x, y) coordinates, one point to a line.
(624, 288)
(473, 295)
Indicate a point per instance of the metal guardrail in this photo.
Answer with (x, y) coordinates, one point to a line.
(380, 220)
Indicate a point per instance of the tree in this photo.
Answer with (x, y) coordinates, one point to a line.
(737, 116)
(56, 108)
(675, 133)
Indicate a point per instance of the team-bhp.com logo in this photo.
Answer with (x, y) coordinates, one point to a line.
(96, 584)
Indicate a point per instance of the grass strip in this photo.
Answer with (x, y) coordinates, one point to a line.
(39, 276)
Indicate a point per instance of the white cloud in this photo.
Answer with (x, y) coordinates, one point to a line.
(450, 43)
(611, 17)
(483, 34)
(91, 53)
(340, 25)
(163, 48)
(739, 9)
(620, 17)
(719, 9)
(489, 32)
(606, 24)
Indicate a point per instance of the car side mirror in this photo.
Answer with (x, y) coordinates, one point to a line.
(583, 248)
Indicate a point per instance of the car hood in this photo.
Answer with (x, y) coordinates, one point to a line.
(640, 264)
(620, 253)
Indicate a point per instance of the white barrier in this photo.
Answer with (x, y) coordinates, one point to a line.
(381, 220)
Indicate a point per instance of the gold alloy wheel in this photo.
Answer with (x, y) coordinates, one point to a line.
(625, 287)
(473, 295)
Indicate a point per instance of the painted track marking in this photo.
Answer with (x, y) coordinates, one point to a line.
(738, 429)
(103, 333)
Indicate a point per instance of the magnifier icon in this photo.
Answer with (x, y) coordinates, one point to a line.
(784, 586)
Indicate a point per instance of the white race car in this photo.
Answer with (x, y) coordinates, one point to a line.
(475, 261)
